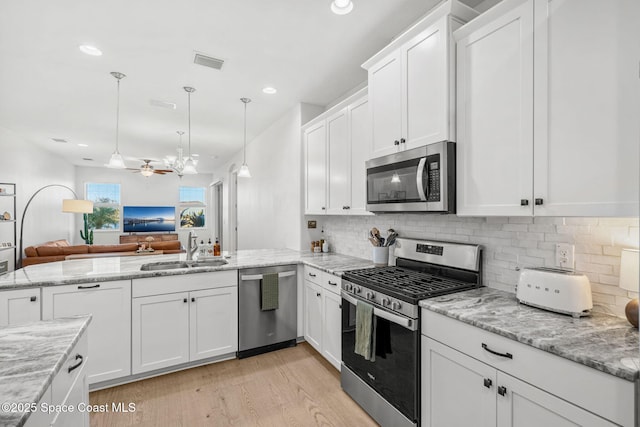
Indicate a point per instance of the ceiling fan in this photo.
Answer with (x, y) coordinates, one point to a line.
(147, 169)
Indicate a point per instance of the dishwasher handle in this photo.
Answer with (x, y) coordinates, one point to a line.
(247, 277)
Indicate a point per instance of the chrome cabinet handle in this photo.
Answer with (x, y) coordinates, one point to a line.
(507, 355)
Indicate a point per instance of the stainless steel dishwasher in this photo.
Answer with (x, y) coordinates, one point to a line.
(261, 331)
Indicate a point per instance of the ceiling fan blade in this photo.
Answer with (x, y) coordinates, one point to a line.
(163, 171)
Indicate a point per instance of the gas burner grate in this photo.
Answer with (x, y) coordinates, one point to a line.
(405, 283)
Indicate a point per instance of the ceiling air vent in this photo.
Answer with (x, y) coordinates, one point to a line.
(64, 141)
(162, 104)
(208, 61)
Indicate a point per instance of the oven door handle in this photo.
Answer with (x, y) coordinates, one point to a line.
(419, 173)
(405, 322)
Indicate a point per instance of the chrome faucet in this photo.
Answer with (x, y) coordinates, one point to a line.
(192, 245)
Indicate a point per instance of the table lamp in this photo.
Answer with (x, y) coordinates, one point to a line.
(629, 280)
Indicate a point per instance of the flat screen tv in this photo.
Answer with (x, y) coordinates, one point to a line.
(148, 219)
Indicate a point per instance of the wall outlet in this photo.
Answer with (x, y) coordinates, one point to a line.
(565, 255)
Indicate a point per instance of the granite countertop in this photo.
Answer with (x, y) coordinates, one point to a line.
(31, 356)
(600, 341)
(118, 268)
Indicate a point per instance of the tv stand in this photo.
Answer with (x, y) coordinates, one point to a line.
(142, 237)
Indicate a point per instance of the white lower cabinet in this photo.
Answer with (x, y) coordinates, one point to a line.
(19, 306)
(463, 383)
(323, 314)
(170, 328)
(109, 304)
(70, 388)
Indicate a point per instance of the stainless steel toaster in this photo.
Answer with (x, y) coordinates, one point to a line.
(556, 290)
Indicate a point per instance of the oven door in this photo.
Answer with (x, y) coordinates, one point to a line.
(394, 374)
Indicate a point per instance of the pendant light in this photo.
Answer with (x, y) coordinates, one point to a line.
(116, 161)
(244, 169)
(189, 164)
(176, 163)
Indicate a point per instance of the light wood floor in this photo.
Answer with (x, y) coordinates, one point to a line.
(290, 387)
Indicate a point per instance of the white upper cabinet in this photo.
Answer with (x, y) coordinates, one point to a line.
(315, 169)
(547, 109)
(495, 116)
(411, 83)
(336, 147)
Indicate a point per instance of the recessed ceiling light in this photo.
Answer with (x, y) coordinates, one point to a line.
(90, 50)
(269, 90)
(195, 155)
(162, 104)
(341, 7)
(82, 145)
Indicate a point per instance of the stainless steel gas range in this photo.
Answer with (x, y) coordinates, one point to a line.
(386, 383)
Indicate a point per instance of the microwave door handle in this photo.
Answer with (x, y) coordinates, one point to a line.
(419, 173)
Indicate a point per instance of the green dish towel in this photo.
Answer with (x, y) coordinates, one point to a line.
(365, 331)
(269, 292)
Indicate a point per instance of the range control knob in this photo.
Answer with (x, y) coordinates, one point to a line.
(348, 287)
(357, 289)
(386, 302)
(396, 305)
(370, 295)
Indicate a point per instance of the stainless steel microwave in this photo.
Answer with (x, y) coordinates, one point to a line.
(422, 179)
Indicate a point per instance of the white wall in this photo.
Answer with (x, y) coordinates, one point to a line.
(32, 169)
(508, 243)
(270, 202)
(136, 190)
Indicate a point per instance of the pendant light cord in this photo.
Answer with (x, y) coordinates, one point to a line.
(244, 157)
(118, 116)
(189, 109)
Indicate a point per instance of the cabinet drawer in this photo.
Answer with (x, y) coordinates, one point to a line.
(72, 367)
(313, 275)
(183, 283)
(331, 283)
(606, 395)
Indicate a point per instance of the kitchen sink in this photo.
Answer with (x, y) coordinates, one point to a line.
(167, 265)
(172, 265)
(209, 263)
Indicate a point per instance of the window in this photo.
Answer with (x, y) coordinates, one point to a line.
(106, 205)
(192, 207)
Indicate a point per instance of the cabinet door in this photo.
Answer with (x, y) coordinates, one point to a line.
(160, 331)
(313, 315)
(213, 322)
(339, 196)
(316, 169)
(78, 393)
(522, 405)
(360, 135)
(385, 103)
(457, 390)
(332, 330)
(587, 107)
(19, 306)
(495, 116)
(425, 92)
(109, 304)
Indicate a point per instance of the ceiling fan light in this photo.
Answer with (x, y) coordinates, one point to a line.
(116, 161)
(395, 178)
(244, 171)
(189, 167)
(147, 172)
(341, 7)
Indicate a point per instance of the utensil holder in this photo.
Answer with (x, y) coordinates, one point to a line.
(380, 256)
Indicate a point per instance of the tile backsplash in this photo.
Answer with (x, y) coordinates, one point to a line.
(509, 243)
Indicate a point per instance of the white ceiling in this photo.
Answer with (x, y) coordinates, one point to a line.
(49, 89)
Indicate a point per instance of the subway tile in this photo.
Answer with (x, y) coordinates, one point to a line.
(607, 279)
(521, 220)
(573, 229)
(515, 227)
(593, 268)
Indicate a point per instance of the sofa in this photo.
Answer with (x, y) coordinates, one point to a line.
(60, 250)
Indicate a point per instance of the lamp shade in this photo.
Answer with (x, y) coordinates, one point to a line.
(630, 259)
(77, 206)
